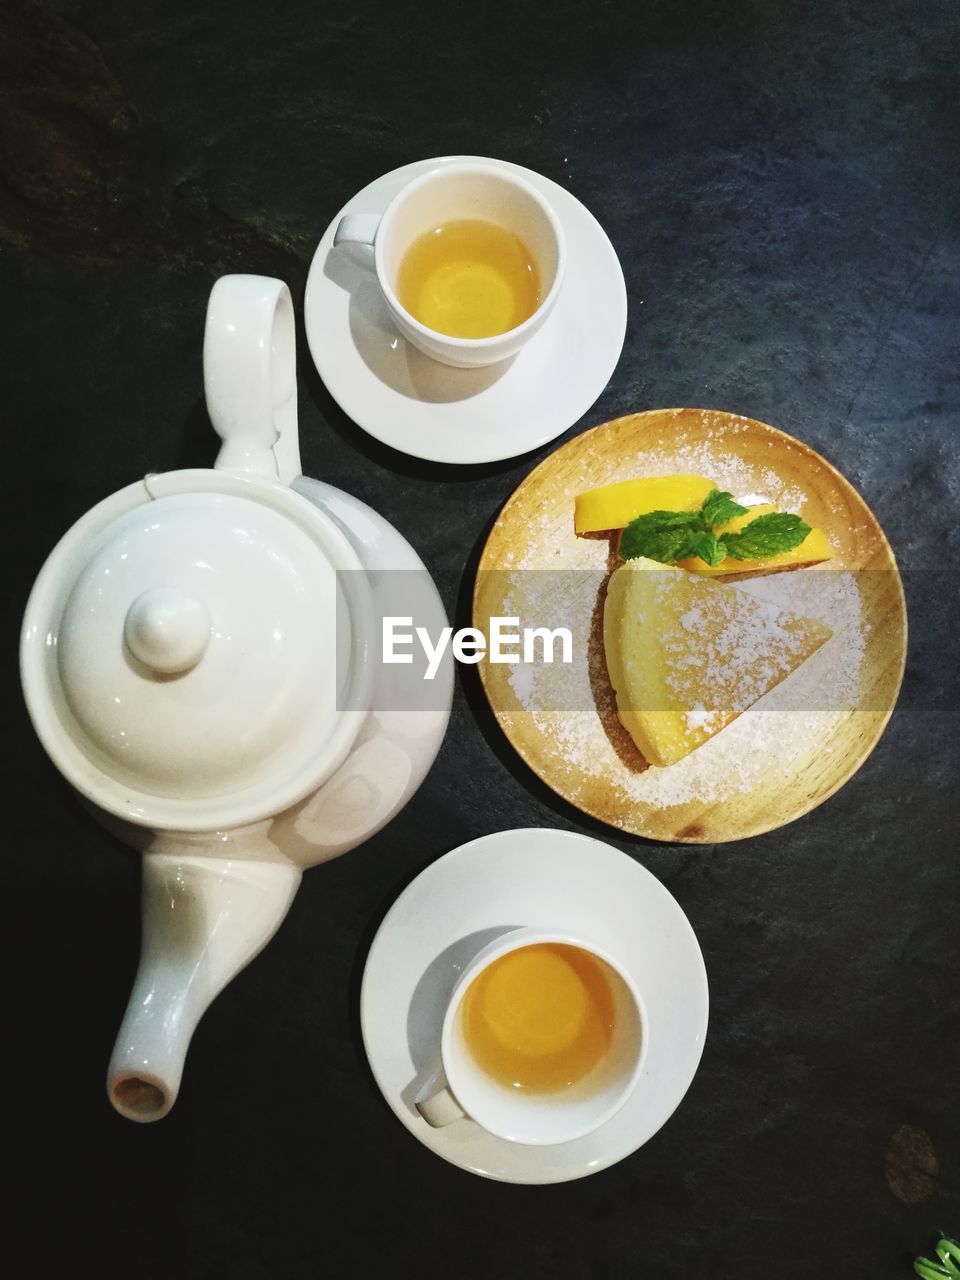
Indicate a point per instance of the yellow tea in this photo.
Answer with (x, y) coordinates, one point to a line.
(539, 1018)
(469, 279)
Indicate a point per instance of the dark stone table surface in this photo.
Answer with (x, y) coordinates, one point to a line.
(781, 184)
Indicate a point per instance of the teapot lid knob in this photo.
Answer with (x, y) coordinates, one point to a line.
(167, 630)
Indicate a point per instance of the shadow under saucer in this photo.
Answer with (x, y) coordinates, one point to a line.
(428, 1005)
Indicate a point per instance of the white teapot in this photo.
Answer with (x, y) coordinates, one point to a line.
(196, 661)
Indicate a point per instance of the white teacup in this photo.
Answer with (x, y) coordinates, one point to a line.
(453, 192)
(461, 1088)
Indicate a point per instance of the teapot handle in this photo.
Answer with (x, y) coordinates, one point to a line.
(250, 376)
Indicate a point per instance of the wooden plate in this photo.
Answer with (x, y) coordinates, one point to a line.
(792, 749)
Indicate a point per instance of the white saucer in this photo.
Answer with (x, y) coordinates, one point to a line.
(430, 411)
(548, 879)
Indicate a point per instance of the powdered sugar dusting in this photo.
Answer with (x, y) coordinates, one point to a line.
(551, 547)
(779, 731)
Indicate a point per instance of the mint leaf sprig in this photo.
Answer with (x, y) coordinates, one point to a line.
(768, 535)
(720, 507)
(669, 536)
(948, 1255)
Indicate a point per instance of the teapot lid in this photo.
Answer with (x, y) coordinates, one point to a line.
(188, 648)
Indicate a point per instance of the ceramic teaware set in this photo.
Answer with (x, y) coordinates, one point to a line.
(183, 664)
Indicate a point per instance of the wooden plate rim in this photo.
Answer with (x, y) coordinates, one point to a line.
(879, 726)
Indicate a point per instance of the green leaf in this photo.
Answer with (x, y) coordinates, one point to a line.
(928, 1270)
(948, 1252)
(768, 535)
(720, 507)
(660, 535)
(705, 544)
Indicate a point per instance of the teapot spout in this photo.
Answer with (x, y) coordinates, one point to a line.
(204, 919)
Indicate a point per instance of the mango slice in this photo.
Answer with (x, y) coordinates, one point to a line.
(814, 548)
(686, 656)
(613, 506)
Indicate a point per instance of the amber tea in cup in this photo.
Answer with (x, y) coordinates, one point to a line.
(469, 258)
(543, 1040)
(469, 278)
(540, 1018)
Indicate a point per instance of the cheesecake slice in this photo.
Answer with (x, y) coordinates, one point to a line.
(687, 655)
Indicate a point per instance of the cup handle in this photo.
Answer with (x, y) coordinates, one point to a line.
(357, 228)
(250, 376)
(437, 1104)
